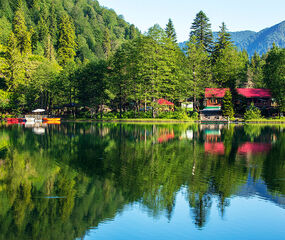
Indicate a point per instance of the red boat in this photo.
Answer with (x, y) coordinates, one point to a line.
(12, 120)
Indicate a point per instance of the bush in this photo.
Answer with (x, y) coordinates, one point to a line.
(179, 113)
(195, 116)
(252, 113)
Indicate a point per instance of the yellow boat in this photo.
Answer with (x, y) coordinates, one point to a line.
(51, 119)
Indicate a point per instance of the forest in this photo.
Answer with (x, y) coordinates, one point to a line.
(79, 56)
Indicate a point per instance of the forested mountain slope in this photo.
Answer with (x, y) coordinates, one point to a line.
(99, 31)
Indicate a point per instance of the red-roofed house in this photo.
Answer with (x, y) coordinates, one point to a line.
(165, 104)
(259, 96)
(213, 101)
(214, 96)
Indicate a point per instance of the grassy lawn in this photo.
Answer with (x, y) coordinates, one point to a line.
(134, 120)
(267, 120)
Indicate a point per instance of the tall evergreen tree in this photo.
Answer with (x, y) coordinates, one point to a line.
(256, 70)
(223, 41)
(21, 32)
(275, 75)
(132, 32)
(53, 22)
(66, 43)
(15, 70)
(227, 106)
(107, 43)
(199, 70)
(170, 31)
(201, 29)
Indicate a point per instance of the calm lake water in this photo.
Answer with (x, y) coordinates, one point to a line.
(142, 181)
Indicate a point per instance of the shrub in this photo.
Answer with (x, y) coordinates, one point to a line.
(179, 113)
(195, 116)
(252, 113)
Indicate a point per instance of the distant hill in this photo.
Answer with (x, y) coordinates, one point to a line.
(257, 41)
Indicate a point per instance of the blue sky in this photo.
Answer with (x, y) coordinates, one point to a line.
(237, 14)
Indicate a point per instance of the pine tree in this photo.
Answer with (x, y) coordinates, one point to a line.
(49, 49)
(15, 70)
(256, 68)
(66, 43)
(21, 33)
(170, 31)
(107, 43)
(227, 106)
(132, 32)
(224, 40)
(53, 22)
(43, 29)
(201, 28)
(199, 70)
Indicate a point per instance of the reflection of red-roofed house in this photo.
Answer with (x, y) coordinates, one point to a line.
(254, 148)
(259, 96)
(216, 148)
(165, 137)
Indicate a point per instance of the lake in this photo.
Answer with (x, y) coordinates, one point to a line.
(142, 181)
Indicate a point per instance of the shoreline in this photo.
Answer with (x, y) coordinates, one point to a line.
(177, 121)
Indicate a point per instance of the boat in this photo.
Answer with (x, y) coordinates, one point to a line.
(51, 119)
(12, 120)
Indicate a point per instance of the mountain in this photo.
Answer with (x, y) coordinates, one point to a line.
(257, 41)
(93, 24)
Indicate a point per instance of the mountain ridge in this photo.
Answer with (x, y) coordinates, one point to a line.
(259, 42)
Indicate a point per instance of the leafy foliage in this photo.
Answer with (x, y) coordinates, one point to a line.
(227, 106)
(252, 113)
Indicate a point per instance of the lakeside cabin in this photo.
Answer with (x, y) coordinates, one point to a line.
(213, 102)
(260, 97)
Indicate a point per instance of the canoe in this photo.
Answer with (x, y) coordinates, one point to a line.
(51, 119)
(12, 120)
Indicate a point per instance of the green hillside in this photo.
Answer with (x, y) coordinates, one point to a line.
(93, 24)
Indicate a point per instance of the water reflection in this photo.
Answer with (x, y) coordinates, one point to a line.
(59, 183)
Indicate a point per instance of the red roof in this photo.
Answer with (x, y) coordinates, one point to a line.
(254, 92)
(164, 102)
(215, 92)
(165, 137)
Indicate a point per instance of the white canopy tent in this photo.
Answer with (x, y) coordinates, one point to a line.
(39, 111)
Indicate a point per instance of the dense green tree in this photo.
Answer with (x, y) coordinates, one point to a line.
(198, 63)
(67, 41)
(229, 69)
(21, 33)
(170, 31)
(275, 76)
(107, 43)
(227, 106)
(132, 32)
(255, 72)
(201, 29)
(223, 41)
(15, 72)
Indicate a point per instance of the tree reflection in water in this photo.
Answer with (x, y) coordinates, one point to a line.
(75, 176)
